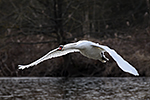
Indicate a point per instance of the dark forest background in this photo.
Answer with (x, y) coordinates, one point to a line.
(31, 28)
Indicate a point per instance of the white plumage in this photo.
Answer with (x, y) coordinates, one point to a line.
(89, 49)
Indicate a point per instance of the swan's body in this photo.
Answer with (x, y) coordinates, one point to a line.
(89, 49)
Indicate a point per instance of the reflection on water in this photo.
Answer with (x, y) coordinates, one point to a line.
(85, 88)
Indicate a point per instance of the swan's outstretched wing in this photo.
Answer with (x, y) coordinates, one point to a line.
(49, 55)
(124, 65)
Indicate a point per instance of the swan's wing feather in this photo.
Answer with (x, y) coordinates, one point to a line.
(124, 65)
(49, 55)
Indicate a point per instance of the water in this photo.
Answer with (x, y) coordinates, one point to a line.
(79, 88)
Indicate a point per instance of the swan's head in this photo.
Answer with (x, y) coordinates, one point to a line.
(60, 48)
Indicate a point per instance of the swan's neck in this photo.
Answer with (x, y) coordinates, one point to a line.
(70, 46)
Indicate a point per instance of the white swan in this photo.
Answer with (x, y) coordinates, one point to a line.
(88, 49)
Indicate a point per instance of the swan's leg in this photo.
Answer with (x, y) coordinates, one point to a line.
(103, 58)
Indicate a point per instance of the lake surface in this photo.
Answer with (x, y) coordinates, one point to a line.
(79, 88)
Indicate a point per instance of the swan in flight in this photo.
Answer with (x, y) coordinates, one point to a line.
(89, 49)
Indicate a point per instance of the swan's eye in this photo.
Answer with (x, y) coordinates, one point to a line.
(60, 48)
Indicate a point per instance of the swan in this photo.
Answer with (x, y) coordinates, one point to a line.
(89, 49)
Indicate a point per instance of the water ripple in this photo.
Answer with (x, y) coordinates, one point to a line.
(79, 88)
